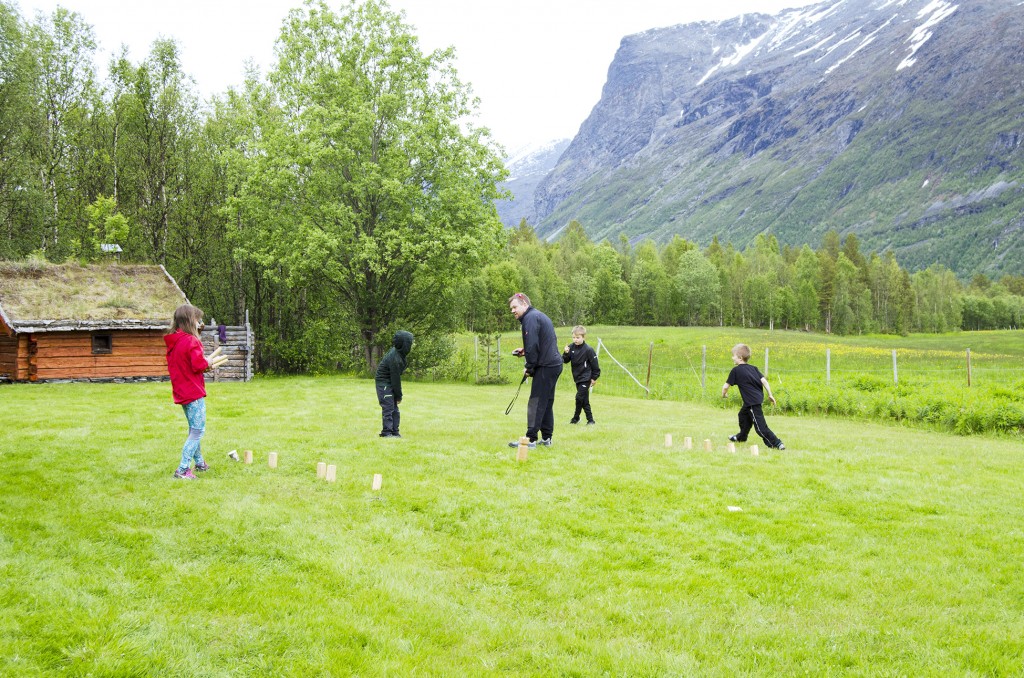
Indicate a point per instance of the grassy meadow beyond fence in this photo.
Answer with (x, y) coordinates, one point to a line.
(818, 374)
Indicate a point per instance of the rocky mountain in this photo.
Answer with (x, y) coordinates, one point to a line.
(527, 167)
(901, 121)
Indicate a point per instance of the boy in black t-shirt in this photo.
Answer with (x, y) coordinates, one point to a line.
(585, 372)
(748, 379)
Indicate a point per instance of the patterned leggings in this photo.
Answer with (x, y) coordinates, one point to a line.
(195, 412)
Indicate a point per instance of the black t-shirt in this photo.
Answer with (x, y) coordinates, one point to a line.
(747, 379)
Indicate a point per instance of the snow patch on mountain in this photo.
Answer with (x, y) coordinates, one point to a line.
(739, 52)
(920, 35)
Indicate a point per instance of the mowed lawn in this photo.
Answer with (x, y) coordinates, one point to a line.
(860, 550)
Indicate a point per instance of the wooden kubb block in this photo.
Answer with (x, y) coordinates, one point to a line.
(248, 456)
(331, 473)
(668, 440)
(707, 445)
(272, 460)
(731, 447)
(754, 452)
(378, 482)
(687, 443)
(523, 450)
(321, 469)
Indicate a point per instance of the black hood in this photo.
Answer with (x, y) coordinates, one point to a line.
(402, 342)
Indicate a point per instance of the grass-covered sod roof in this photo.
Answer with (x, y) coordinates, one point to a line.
(34, 292)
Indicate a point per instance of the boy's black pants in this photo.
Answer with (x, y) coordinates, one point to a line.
(389, 414)
(751, 415)
(583, 401)
(540, 414)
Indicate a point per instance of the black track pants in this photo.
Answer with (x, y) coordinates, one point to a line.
(540, 414)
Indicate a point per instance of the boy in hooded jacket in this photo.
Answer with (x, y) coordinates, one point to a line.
(389, 383)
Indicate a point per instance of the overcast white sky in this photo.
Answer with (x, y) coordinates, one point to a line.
(537, 65)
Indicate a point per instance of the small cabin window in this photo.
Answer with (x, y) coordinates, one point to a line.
(102, 343)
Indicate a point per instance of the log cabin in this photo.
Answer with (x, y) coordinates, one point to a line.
(84, 323)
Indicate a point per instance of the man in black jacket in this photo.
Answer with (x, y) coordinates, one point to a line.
(543, 365)
(389, 383)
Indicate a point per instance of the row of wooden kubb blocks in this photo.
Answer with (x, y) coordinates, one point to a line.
(328, 472)
(708, 446)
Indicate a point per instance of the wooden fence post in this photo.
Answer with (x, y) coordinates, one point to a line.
(703, 368)
(650, 357)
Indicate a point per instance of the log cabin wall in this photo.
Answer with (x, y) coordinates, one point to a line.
(132, 354)
(8, 357)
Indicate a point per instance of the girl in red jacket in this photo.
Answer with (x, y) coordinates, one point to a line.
(186, 364)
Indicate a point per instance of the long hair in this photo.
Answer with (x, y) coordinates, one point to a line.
(186, 319)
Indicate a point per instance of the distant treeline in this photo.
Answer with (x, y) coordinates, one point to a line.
(836, 288)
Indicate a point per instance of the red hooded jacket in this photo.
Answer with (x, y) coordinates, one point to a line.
(186, 364)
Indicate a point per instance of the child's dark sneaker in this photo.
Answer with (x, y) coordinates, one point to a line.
(184, 475)
(515, 443)
(574, 421)
(591, 422)
(202, 467)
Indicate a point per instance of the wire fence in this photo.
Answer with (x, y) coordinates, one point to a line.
(664, 377)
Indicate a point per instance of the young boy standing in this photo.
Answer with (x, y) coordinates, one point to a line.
(749, 381)
(585, 371)
(388, 380)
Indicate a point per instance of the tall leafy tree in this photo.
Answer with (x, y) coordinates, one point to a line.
(368, 176)
(699, 289)
(17, 179)
(64, 91)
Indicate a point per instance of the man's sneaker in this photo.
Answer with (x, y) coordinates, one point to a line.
(544, 441)
(781, 446)
(574, 421)
(184, 475)
(736, 439)
(591, 422)
(515, 443)
(202, 466)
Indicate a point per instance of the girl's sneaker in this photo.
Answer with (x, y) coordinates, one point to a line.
(184, 475)
(202, 466)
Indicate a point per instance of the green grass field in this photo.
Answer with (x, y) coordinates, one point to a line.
(863, 549)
